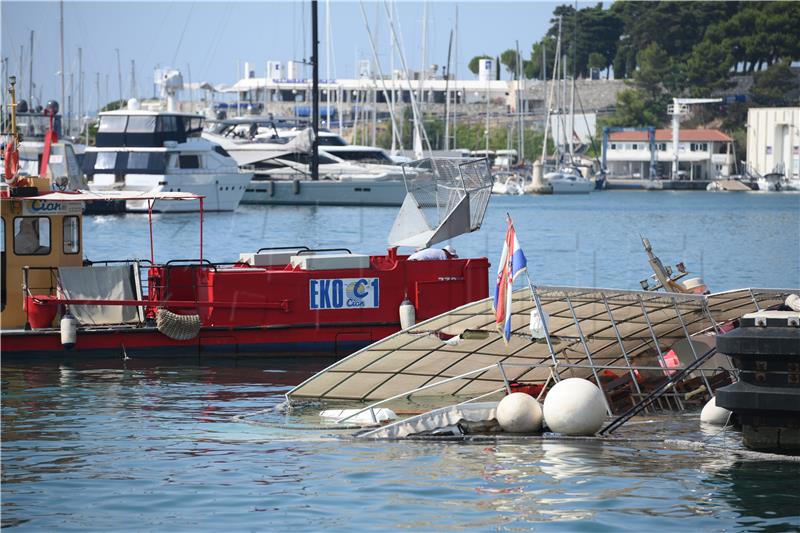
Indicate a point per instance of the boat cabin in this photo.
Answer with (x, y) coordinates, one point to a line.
(146, 128)
(36, 235)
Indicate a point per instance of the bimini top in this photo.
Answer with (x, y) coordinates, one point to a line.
(588, 328)
(88, 196)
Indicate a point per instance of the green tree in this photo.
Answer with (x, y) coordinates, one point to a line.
(633, 109)
(596, 60)
(474, 63)
(509, 60)
(777, 86)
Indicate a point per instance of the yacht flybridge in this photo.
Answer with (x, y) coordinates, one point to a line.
(162, 151)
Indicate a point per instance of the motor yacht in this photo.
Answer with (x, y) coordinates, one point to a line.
(162, 151)
(279, 158)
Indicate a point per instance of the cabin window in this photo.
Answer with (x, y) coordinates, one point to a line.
(662, 147)
(112, 124)
(193, 126)
(335, 140)
(106, 161)
(72, 235)
(141, 124)
(189, 161)
(613, 146)
(138, 160)
(221, 151)
(31, 236)
(167, 124)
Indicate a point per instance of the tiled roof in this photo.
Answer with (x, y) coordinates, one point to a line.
(666, 136)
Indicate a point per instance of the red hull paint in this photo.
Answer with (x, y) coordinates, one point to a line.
(270, 311)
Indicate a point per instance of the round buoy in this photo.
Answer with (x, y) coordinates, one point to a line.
(574, 406)
(519, 413)
(711, 414)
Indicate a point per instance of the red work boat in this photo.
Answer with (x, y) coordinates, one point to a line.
(271, 301)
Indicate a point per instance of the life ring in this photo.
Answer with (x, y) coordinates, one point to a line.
(11, 160)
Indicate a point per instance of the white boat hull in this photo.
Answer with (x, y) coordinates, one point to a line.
(388, 193)
(568, 183)
(222, 192)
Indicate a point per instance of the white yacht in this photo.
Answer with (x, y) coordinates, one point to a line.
(154, 151)
(568, 181)
(279, 159)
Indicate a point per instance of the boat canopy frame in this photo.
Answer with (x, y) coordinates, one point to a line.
(149, 197)
(461, 353)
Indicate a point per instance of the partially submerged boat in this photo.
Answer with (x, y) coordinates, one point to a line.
(280, 301)
(642, 351)
(634, 345)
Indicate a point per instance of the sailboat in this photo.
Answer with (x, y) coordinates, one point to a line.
(566, 178)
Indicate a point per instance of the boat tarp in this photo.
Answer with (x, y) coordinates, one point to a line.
(114, 282)
(438, 419)
(587, 327)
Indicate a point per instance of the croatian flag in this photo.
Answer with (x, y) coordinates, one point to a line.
(512, 263)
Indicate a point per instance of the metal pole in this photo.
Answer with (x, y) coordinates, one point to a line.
(30, 73)
(539, 308)
(588, 353)
(201, 229)
(119, 77)
(80, 88)
(621, 345)
(447, 96)
(658, 348)
(689, 339)
(150, 223)
(63, 89)
(315, 93)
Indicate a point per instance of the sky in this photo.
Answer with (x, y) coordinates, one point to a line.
(211, 41)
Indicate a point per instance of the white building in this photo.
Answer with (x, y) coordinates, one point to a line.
(773, 140)
(703, 154)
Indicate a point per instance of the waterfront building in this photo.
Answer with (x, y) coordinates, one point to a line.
(704, 154)
(773, 140)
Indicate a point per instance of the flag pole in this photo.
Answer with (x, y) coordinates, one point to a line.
(538, 304)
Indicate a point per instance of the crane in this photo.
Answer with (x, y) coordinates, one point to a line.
(678, 108)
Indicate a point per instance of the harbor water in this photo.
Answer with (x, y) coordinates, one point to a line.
(152, 445)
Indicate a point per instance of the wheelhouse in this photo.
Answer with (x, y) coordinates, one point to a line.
(146, 129)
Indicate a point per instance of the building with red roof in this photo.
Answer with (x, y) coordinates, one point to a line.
(703, 154)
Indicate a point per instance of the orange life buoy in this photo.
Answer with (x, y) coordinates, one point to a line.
(11, 159)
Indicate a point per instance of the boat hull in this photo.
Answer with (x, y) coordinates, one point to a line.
(378, 193)
(148, 342)
(264, 311)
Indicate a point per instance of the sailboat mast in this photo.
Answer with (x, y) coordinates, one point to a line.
(328, 63)
(63, 86)
(30, 73)
(315, 93)
(447, 96)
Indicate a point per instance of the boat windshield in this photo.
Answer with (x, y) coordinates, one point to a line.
(378, 157)
(331, 140)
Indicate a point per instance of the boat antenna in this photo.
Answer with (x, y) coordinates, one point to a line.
(315, 93)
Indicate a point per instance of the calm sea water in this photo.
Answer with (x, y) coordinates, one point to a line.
(152, 446)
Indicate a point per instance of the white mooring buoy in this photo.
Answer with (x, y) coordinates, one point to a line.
(574, 406)
(519, 413)
(69, 331)
(712, 414)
